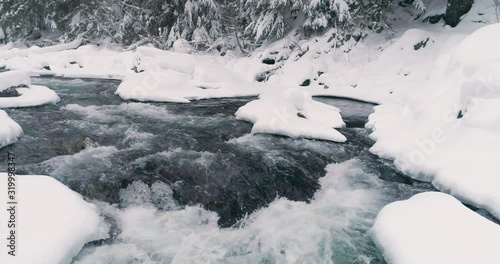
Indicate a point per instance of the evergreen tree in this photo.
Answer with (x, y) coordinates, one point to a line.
(207, 24)
(198, 22)
(323, 14)
(270, 19)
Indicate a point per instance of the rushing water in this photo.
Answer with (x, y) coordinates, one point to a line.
(187, 183)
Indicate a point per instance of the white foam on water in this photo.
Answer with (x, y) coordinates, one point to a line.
(96, 159)
(203, 158)
(136, 139)
(332, 228)
(110, 113)
(138, 193)
(92, 112)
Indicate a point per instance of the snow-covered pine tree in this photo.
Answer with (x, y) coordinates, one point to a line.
(23, 19)
(270, 19)
(323, 14)
(30, 19)
(232, 27)
(198, 22)
(208, 24)
(370, 14)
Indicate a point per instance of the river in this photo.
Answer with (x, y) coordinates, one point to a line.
(201, 188)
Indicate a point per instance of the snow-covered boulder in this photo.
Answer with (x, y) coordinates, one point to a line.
(164, 86)
(10, 131)
(33, 96)
(293, 113)
(13, 79)
(53, 223)
(435, 228)
(30, 95)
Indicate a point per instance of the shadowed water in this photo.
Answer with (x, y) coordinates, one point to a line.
(269, 186)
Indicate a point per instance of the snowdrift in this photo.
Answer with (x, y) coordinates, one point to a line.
(53, 222)
(435, 228)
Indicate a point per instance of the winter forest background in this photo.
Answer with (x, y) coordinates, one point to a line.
(207, 24)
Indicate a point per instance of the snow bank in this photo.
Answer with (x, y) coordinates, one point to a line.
(435, 228)
(53, 222)
(445, 129)
(72, 61)
(15, 52)
(173, 77)
(10, 131)
(293, 113)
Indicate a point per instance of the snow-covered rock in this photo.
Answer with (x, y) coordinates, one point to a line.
(435, 228)
(165, 86)
(10, 131)
(31, 95)
(13, 79)
(53, 222)
(293, 113)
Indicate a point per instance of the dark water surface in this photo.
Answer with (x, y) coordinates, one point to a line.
(97, 144)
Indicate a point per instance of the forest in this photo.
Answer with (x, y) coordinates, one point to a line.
(207, 24)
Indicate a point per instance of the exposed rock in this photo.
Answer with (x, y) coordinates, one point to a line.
(264, 76)
(455, 10)
(10, 92)
(421, 44)
(433, 19)
(306, 82)
(269, 61)
(79, 144)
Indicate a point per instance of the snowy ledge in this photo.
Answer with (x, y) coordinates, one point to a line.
(54, 223)
(435, 228)
(29, 95)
